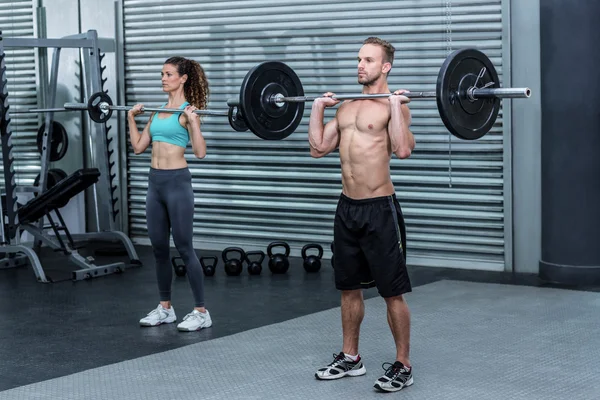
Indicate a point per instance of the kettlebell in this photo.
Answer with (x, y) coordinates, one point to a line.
(255, 267)
(332, 255)
(209, 269)
(312, 263)
(278, 263)
(179, 268)
(233, 266)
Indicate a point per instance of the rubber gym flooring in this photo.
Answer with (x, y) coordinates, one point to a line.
(474, 335)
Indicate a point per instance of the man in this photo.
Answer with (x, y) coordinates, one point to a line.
(369, 232)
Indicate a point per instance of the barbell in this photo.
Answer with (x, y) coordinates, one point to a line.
(100, 108)
(271, 98)
(468, 95)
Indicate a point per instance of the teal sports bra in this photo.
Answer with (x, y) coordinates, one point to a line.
(169, 129)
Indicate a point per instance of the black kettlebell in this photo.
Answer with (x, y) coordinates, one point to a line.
(312, 263)
(332, 254)
(255, 267)
(233, 266)
(278, 263)
(179, 268)
(209, 269)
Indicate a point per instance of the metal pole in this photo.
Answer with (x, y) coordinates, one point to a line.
(477, 93)
(168, 110)
(104, 107)
(40, 110)
(502, 92)
(68, 107)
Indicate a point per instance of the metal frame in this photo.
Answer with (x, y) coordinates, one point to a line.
(16, 253)
(507, 139)
(97, 140)
(122, 128)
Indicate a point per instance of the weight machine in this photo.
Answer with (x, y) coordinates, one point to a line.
(30, 216)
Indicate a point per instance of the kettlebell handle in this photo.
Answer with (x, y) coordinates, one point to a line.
(232, 250)
(276, 244)
(255, 253)
(214, 258)
(312, 246)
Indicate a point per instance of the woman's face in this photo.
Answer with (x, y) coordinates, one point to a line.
(170, 78)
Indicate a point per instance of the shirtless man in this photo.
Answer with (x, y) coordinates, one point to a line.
(369, 232)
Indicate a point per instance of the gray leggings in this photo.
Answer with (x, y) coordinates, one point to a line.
(170, 205)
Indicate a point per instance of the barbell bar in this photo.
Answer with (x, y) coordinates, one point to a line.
(467, 94)
(105, 108)
(279, 99)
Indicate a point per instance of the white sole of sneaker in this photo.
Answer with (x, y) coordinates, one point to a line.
(183, 329)
(393, 389)
(354, 372)
(159, 323)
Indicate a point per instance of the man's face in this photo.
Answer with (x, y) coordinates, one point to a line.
(371, 64)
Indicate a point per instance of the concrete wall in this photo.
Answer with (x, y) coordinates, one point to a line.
(526, 135)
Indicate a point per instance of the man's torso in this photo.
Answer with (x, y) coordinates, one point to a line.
(365, 148)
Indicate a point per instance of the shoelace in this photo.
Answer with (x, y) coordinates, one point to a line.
(337, 359)
(158, 311)
(393, 371)
(192, 315)
(153, 312)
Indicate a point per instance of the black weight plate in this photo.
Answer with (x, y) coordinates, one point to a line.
(465, 119)
(59, 142)
(55, 175)
(58, 173)
(95, 113)
(265, 119)
(236, 120)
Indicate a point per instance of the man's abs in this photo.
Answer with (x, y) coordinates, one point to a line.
(365, 150)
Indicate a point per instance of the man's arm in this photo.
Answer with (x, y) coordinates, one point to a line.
(322, 139)
(402, 139)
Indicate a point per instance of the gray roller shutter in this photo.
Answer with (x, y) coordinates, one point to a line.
(250, 192)
(17, 20)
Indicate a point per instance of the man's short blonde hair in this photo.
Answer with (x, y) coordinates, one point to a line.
(387, 47)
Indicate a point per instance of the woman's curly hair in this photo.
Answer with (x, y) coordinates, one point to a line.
(195, 88)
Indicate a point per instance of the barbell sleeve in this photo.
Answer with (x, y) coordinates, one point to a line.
(38, 110)
(502, 92)
(233, 103)
(76, 106)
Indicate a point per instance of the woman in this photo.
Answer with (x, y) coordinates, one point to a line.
(170, 198)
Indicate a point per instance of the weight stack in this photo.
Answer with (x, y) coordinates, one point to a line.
(570, 101)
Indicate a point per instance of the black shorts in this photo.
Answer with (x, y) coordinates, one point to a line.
(370, 246)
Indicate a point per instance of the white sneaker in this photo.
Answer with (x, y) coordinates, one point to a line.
(159, 315)
(195, 321)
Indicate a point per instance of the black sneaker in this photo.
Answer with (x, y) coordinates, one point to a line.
(341, 367)
(396, 377)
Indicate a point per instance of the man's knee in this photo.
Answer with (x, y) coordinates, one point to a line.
(394, 299)
(396, 303)
(352, 295)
